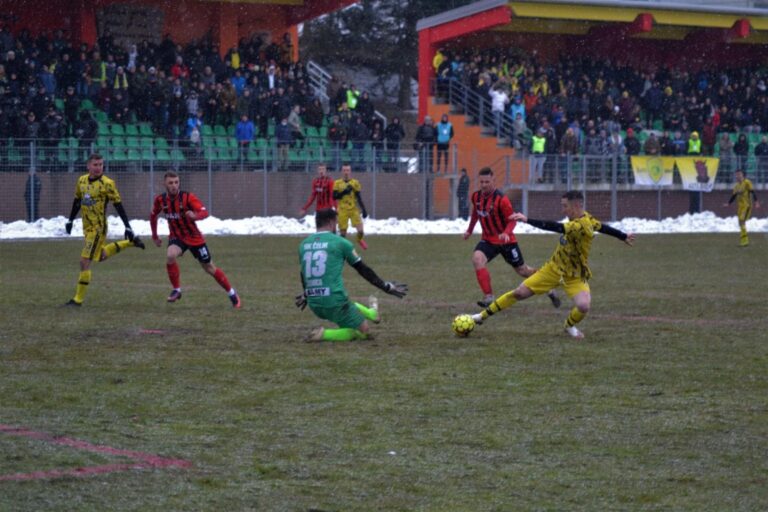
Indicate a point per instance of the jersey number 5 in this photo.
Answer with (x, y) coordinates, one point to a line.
(314, 263)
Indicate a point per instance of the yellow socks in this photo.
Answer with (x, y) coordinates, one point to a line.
(369, 313)
(744, 239)
(82, 286)
(115, 247)
(503, 302)
(574, 317)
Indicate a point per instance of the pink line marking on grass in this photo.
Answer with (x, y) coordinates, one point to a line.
(151, 331)
(141, 460)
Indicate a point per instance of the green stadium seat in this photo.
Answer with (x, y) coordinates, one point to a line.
(206, 131)
(209, 142)
(145, 130)
(119, 143)
(219, 130)
(221, 142)
(100, 116)
(119, 155)
(14, 155)
(131, 130)
(255, 155)
(161, 143)
(103, 129)
(145, 143)
(232, 142)
(58, 103)
(231, 130)
(86, 104)
(134, 154)
(163, 155)
(65, 154)
(132, 142)
(117, 129)
(178, 155)
(146, 154)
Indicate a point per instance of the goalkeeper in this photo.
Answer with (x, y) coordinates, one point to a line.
(322, 256)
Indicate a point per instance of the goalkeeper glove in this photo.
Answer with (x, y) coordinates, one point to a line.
(399, 290)
(129, 233)
(68, 227)
(301, 301)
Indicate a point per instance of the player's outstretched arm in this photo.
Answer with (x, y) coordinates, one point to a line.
(124, 217)
(399, 290)
(627, 238)
(72, 215)
(546, 225)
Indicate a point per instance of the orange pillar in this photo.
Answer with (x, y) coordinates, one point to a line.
(426, 54)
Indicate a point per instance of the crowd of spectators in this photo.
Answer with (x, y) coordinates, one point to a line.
(46, 80)
(601, 107)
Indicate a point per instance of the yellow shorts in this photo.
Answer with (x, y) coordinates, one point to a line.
(547, 278)
(347, 216)
(94, 243)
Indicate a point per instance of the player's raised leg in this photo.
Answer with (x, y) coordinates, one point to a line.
(507, 300)
(525, 270)
(114, 248)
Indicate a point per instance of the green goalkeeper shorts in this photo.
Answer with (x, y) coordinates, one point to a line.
(343, 315)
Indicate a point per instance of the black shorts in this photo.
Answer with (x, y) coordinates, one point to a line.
(510, 252)
(200, 252)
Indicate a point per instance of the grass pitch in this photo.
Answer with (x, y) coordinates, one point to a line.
(663, 407)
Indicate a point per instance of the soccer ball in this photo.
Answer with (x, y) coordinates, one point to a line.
(463, 325)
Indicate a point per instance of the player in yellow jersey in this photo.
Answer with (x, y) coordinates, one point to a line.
(744, 194)
(346, 191)
(93, 193)
(569, 265)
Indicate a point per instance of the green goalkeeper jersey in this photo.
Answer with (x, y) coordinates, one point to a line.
(322, 258)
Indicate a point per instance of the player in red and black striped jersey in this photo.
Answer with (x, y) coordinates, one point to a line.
(322, 191)
(493, 208)
(182, 210)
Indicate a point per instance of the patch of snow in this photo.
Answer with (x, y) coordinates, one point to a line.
(706, 222)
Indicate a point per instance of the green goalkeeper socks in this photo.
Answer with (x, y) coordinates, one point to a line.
(369, 313)
(344, 334)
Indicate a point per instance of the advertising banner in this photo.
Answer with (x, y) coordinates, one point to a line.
(653, 170)
(697, 173)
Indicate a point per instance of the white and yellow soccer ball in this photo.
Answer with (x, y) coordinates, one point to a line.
(463, 325)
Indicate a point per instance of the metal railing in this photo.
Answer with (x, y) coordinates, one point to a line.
(398, 182)
(319, 79)
(476, 108)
